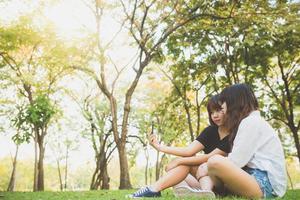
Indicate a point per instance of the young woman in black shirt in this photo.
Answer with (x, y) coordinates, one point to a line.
(189, 169)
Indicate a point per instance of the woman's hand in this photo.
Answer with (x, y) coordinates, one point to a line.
(154, 142)
(173, 164)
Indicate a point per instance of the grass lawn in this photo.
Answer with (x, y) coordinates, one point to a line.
(103, 194)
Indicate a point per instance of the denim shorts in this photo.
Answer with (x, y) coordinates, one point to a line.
(262, 180)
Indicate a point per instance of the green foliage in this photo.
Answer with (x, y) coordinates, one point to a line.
(259, 42)
(97, 127)
(18, 35)
(35, 115)
(34, 55)
(170, 124)
(40, 112)
(33, 60)
(24, 128)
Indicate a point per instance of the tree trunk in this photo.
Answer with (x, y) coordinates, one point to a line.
(66, 169)
(296, 140)
(100, 177)
(94, 185)
(104, 177)
(40, 185)
(37, 153)
(189, 120)
(11, 185)
(59, 176)
(35, 175)
(289, 109)
(124, 170)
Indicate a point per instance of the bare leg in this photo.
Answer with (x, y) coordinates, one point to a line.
(190, 181)
(204, 180)
(171, 178)
(195, 189)
(199, 173)
(202, 171)
(234, 178)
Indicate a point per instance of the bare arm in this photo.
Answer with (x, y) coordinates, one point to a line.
(194, 160)
(188, 151)
(198, 160)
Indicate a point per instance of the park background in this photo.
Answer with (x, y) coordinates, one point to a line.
(83, 81)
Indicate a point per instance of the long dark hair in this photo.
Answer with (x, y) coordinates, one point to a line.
(240, 101)
(212, 105)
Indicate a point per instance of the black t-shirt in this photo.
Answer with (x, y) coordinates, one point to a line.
(210, 139)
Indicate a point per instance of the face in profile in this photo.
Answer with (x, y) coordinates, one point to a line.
(224, 108)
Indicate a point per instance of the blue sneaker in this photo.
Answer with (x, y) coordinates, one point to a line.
(145, 192)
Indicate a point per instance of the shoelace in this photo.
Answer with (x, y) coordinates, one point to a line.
(140, 191)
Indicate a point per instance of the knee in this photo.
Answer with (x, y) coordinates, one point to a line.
(203, 165)
(202, 171)
(215, 162)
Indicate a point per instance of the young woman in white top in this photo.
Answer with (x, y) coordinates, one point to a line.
(255, 168)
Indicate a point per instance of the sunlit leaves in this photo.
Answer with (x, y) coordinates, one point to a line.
(35, 115)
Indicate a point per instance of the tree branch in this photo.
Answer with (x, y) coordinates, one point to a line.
(139, 138)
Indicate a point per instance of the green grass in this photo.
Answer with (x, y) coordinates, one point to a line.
(104, 194)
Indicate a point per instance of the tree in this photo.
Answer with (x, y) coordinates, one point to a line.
(12, 180)
(8, 112)
(281, 73)
(34, 60)
(99, 133)
(18, 139)
(259, 45)
(61, 143)
(149, 28)
(37, 116)
(154, 89)
(57, 151)
(188, 87)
